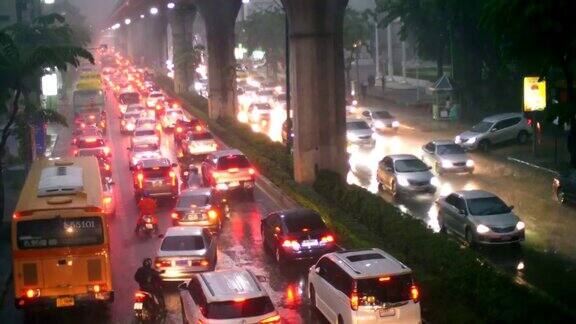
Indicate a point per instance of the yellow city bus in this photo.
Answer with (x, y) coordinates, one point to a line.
(60, 241)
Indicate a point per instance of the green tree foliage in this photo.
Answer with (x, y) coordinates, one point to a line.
(357, 34)
(265, 30)
(540, 36)
(26, 50)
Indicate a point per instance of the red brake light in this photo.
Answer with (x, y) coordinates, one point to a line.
(140, 178)
(32, 293)
(173, 176)
(198, 128)
(107, 200)
(106, 150)
(212, 214)
(252, 171)
(90, 140)
(382, 279)
(174, 215)
(529, 121)
(178, 129)
(215, 175)
(414, 293)
(162, 263)
(139, 297)
(239, 300)
(271, 320)
(329, 238)
(233, 170)
(158, 107)
(354, 300)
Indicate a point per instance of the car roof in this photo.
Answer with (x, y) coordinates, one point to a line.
(396, 157)
(226, 285)
(155, 162)
(184, 230)
(196, 192)
(473, 194)
(499, 117)
(380, 264)
(221, 153)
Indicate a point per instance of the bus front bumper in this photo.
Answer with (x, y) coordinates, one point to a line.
(48, 302)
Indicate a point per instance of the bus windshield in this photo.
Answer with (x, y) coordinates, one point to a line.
(59, 232)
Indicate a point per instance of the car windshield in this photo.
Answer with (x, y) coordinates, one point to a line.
(239, 309)
(487, 206)
(145, 132)
(410, 165)
(449, 149)
(200, 136)
(381, 115)
(306, 222)
(59, 232)
(157, 172)
(191, 201)
(145, 147)
(262, 107)
(482, 127)
(182, 243)
(385, 289)
(233, 161)
(359, 125)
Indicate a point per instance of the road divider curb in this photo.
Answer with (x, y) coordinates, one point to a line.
(275, 193)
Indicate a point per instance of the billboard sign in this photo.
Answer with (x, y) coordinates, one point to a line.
(534, 94)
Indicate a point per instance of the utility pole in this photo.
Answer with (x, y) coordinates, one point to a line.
(289, 125)
(390, 58)
(377, 49)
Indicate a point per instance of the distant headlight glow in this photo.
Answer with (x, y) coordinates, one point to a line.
(482, 229)
(446, 164)
(395, 124)
(520, 226)
(435, 182)
(469, 163)
(402, 181)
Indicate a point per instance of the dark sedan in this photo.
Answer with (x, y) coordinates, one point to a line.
(296, 234)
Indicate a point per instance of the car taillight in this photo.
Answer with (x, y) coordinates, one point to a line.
(198, 128)
(91, 116)
(288, 243)
(354, 300)
(158, 107)
(139, 297)
(106, 150)
(123, 122)
(162, 263)
(178, 129)
(233, 170)
(271, 320)
(328, 238)
(106, 200)
(158, 127)
(140, 178)
(32, 293)
(414, 293)
(212, 214)
(215, 175)
(174, 215)
(102, 124)
(202, 263)
(107, 167)
(252, 171)
(173, 176)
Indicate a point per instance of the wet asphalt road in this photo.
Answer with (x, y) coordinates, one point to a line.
(239, 245)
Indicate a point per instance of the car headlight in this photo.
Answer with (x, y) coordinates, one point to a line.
(457, 139)
(520, 225)
(402, 181)
(395, 124)
(471, 140)
(435, 182)
(350, 137)
(379, 124)
(469, 163)
(446, 164)
(482, 229)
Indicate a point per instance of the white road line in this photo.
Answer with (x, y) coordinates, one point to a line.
(531, 165)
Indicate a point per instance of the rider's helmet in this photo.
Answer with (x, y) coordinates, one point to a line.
(147, 263)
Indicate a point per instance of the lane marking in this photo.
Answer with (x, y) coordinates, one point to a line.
(532, 165)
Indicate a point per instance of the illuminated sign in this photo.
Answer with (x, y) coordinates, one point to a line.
(50, 84)
(534, 94)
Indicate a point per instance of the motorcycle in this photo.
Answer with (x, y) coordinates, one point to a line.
(147, 225)
(147, 308)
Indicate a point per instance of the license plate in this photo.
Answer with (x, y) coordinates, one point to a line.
(234, 184)
(308, 243)
(158, 183)
(64, 301)
(505, 237)
(192, 217)
(182, 263)
(149, 226)
(387, 312)
(138, 306)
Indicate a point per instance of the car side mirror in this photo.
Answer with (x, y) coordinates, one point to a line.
(318, 270)
(493, 129)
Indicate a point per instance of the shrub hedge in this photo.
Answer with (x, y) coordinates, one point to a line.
(456, 286)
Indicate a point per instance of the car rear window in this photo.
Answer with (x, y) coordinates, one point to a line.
(156, 95)
(129, 98)
(297, 223)
(145, 147)
(233, 161)
(182, 243)
(145, 132)
(157, 172)
(239, 309)
(364, 257)
(386, 289)
(193, 201)
(201, 136)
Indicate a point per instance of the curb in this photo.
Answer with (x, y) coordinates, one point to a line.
(275, 193)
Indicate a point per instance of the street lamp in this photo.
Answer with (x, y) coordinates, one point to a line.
(48, 1)
(115, 26)
(142, 16)
(170, 5)
(245, 1)
(127, 21)
(153, 10)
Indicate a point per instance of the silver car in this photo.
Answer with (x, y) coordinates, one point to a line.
(358, 133)
(404, 173)
(479, 217)
(185, 250)
(446, 156)
(380, 120)
(496, 129)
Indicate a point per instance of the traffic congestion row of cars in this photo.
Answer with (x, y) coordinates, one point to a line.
(345, 286)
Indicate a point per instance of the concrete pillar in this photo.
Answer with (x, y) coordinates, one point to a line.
(131, 41)
(181, 22)
(220, 18)
(317, 86)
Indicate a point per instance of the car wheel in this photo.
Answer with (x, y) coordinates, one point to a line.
(561, 195)
(470, 238)
(312, 298)
(484, 146)
(522, 137)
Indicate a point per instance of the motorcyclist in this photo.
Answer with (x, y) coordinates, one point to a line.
(147, 206)
(194, 179)
(149, 280)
